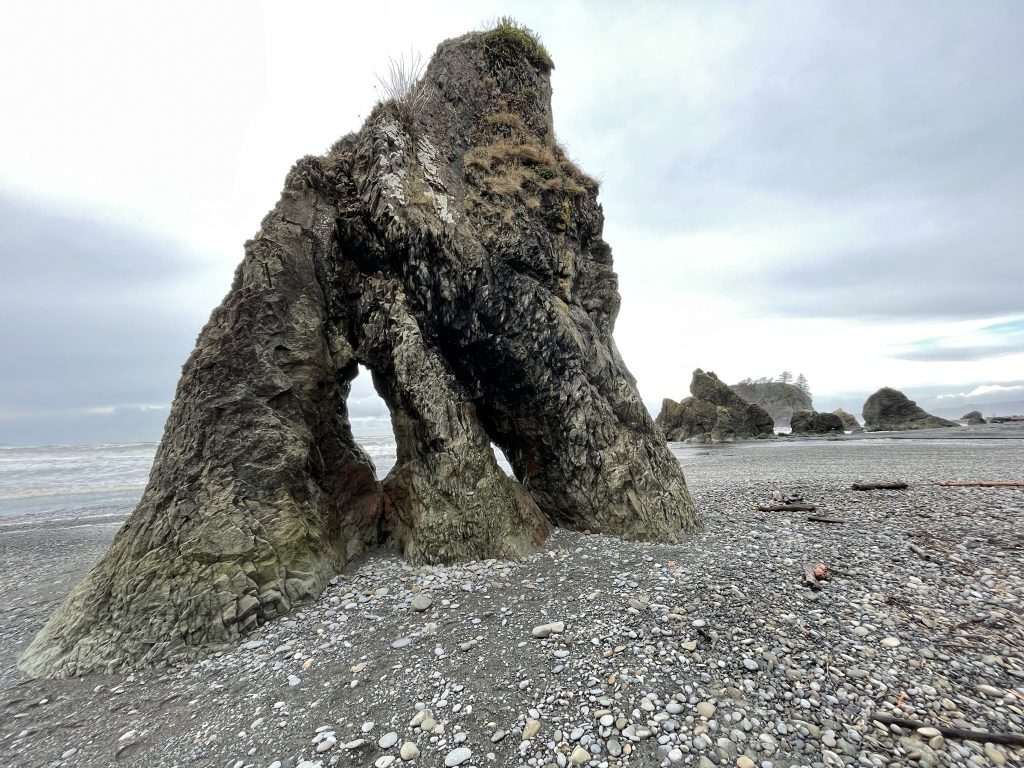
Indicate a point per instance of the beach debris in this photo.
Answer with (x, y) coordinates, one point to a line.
(788, 498)
(984, 484)
(924, 555)
(796, 507)
(810, 577)
(825, 519)
(894, 485)
(953, 733)
(820, 571)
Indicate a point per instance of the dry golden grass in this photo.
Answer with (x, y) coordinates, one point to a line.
(512, 163)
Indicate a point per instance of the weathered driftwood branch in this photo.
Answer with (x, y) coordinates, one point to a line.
(897, 485)
(786, 507)
(984, 484)
(810, 578)
(920, 552)
(953, 733)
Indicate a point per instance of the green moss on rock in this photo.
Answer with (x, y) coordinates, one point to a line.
(509, 41)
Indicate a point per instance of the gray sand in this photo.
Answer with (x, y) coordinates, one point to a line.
(712, 652)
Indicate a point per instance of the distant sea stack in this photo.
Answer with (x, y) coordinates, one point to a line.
(777, 398)
(890, 410)
(814, 423)
(973, 419)
(714, 414)
(452, 248)
(850, 423)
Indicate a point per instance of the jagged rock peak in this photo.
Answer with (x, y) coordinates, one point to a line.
(890, 410)
(451, 248)
(713, 414)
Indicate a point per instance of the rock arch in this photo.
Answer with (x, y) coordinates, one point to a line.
(454, 251)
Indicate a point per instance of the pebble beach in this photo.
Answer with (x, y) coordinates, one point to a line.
(712, 652)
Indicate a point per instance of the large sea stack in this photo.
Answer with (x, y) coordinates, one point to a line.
(779, 399)
(973, 418)
(713, 414)
(453, 249)
(815, 423)
(890, 410)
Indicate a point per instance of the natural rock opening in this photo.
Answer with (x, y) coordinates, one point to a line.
(453, 250)
(503, 462)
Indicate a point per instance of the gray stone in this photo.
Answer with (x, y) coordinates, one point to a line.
(421, 602)
(409, 751)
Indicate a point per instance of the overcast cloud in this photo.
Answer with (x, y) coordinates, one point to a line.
(826, 187)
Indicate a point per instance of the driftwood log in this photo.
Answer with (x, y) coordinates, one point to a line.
(805, 507)
(898, 485)
(984, 484)
(953, 733)
(920, 552)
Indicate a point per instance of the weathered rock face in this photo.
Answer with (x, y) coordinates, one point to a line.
(850, 422)
(814, 423)
(974, 418)
(451, 248)
(889, 409)
(714, 414)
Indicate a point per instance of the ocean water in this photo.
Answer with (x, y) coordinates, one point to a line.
(102, 482)
(83, 481)
(58, 480)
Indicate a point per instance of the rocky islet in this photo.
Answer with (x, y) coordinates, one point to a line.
(889, 409)
(713, 413)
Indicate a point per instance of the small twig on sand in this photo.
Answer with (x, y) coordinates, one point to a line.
(786, 507)
(920, 552)
(953, 733)
(897, 485)
(984, 484)
(825, 519)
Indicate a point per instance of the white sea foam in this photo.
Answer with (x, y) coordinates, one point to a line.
(55, 482)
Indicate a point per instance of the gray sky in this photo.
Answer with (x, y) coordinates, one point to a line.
(826, 187)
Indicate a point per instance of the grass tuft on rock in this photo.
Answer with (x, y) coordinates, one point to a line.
(508, 41)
